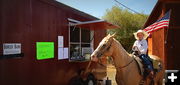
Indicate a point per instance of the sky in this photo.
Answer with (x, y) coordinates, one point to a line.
(98, 8)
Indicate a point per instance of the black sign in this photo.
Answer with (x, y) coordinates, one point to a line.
(11, 56)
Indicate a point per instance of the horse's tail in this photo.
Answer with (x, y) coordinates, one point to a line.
(160, 74)
(160, 70)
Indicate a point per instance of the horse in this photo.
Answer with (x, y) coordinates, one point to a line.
(127, 72)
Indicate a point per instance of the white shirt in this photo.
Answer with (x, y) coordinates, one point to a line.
(141, 45)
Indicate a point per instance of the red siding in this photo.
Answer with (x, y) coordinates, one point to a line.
(165, 43)
(31, 21)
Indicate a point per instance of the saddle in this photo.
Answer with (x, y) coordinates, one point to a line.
(157, 65)
(139, 64)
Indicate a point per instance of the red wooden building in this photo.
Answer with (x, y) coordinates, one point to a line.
(165, 42)
(27, 22)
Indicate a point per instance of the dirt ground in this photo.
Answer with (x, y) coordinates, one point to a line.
(111, 72)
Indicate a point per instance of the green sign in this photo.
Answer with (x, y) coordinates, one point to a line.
(44, 50)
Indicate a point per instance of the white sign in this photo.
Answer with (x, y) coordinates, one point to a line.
(11, 48)
(66, 53)
(62, 53)
(60, 41)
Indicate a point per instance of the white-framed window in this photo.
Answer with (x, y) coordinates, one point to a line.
(80, 43)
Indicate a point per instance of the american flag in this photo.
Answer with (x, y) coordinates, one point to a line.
(161, 23)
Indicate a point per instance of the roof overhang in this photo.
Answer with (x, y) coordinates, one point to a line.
(158, 11)
(95, 25)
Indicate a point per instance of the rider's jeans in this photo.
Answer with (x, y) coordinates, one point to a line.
(146, 61)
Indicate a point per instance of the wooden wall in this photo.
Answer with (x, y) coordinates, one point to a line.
(31, 21)
(165, 42)
(173, 41)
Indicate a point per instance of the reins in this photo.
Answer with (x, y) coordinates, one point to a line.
(126, 65)
(116, 67)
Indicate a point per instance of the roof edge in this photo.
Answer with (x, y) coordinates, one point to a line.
(66, 7)
(151, 15)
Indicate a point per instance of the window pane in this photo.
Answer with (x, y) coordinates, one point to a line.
(74, 34)
(85, 45)
(85, 35)
(75, 54)
(86, 51)
(74, 50)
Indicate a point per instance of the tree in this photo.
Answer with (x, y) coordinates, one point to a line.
(129, 23)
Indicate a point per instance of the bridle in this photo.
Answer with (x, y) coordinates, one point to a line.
(99, 54)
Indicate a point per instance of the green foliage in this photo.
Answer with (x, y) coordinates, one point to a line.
(129, 23)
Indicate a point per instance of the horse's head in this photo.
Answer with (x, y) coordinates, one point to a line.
(104, 48)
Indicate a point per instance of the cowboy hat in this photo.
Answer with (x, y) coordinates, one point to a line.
(141, 31)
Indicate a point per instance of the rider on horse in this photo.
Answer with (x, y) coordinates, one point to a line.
(140, 47)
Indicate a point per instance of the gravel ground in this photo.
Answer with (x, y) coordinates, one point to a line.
(111, 72)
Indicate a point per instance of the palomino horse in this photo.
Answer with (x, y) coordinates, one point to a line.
(126, 68)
